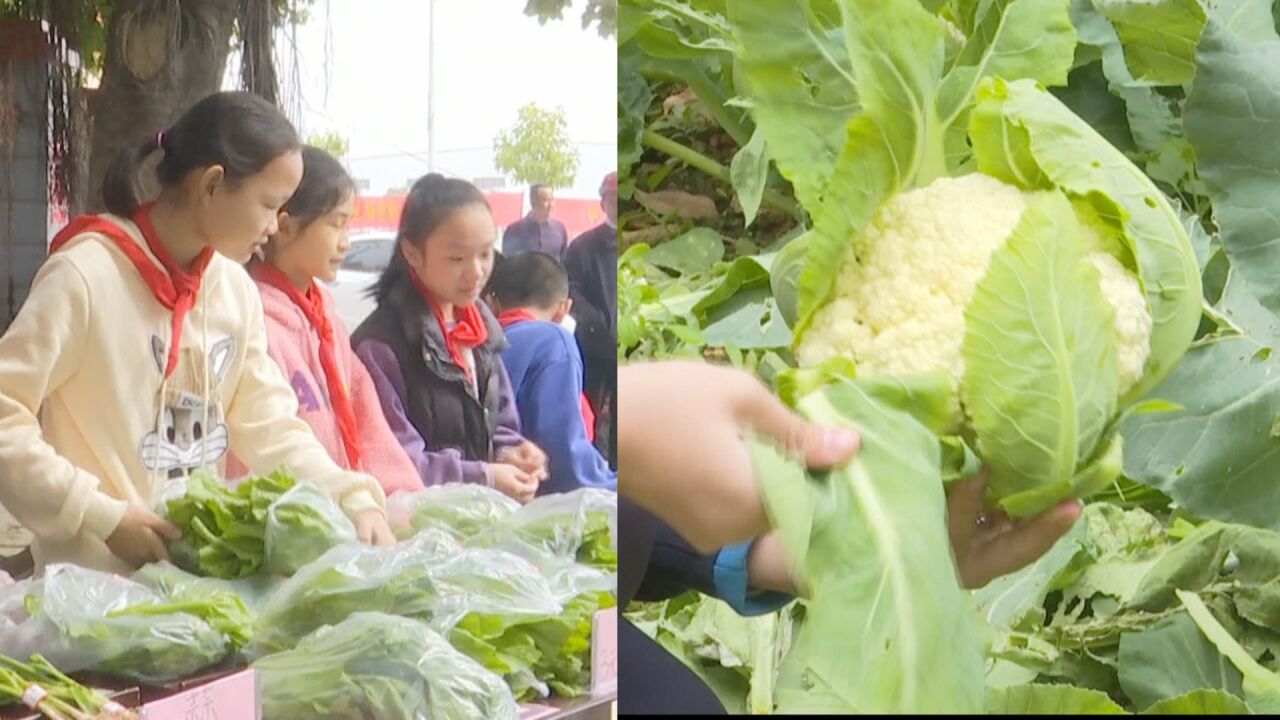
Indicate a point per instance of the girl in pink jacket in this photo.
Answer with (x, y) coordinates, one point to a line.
(305, 336)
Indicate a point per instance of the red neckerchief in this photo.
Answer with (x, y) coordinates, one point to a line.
(510, 317)
(173, 287)
(506, 319)
(469, 332)
(312, 305)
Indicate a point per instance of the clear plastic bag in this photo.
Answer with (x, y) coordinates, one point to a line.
(67, 616)
(177, 585)
(462, 510)
(349, 579)
(271, 524)
(301, 525)
(581, 525)
(490, 582)
(374, 665)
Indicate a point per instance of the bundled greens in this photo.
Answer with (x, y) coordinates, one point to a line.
(223, 610)
(43, 687)
(460, 509)
(499, 609)
(578, 525)
(270, 523)
(375, 665)
(177, 585)
(349, 579)
(88, 620)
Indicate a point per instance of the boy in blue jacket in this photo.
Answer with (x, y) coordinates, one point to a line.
(530, 294)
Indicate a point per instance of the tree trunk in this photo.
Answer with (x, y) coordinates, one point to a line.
(161, 58)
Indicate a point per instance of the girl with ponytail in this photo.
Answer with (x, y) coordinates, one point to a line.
(140, 354)
(432, 348)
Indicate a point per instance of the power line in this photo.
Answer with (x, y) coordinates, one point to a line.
(414, 153)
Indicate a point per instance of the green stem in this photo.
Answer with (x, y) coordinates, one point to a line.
(687, 155)
(709, 96)
(1218, 318)
(695, 159)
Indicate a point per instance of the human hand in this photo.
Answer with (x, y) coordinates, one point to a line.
(140, 537)
(514, 482)
(682, 450)
(988, 544)
(528, 457)
(372, 528)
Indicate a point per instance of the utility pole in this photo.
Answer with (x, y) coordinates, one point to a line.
(431, 86)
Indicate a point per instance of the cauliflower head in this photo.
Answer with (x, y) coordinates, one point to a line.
(898, 306)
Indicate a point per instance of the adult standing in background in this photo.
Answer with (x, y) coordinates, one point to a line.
(537, 231)
(592, 264)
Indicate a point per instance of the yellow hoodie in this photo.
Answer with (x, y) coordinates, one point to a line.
(88, 422)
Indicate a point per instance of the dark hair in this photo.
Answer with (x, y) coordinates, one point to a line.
(530, 279)
(431, 200)
(237, 130)
(533, 190)
(325, 183)
(498, 259)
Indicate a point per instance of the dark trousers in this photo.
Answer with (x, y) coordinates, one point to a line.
(652, 682)
(600, 382)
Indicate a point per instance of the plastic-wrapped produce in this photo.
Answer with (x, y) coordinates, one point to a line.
(579, 525)
(374, 665)
(349, 579)
(83, 619)
(462, 510)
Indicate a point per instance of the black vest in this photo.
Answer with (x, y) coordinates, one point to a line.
(439, 400)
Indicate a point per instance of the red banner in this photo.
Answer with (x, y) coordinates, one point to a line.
(578, 215)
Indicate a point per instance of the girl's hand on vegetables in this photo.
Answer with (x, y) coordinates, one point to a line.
(140, 537)
(988, 544)
(372, 528)
(514, 482)
(681, 451)
(528, 457)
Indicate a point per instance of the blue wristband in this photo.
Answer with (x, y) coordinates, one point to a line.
(730, 578)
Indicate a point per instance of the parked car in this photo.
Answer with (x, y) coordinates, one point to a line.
(369, 255)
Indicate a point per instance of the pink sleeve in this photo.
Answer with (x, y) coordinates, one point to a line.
(384, 457)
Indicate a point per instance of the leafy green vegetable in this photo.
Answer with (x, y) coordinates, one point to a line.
(1153, 119)
(1147, 677)
(736, 656)
(225, 612)
(858, 540)
(301, 525)
(376, 665)
(1258, 682)
(349, 579)
(493, 605)
(66, 699)
(177, 585)
(267, 523)
(460, 509)
(1040, 373)
(575, 525)
(500, 610)
(1200, 702)
(1050, 700)
(80, 619)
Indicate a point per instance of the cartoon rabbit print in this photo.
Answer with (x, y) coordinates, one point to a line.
(183, 442)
